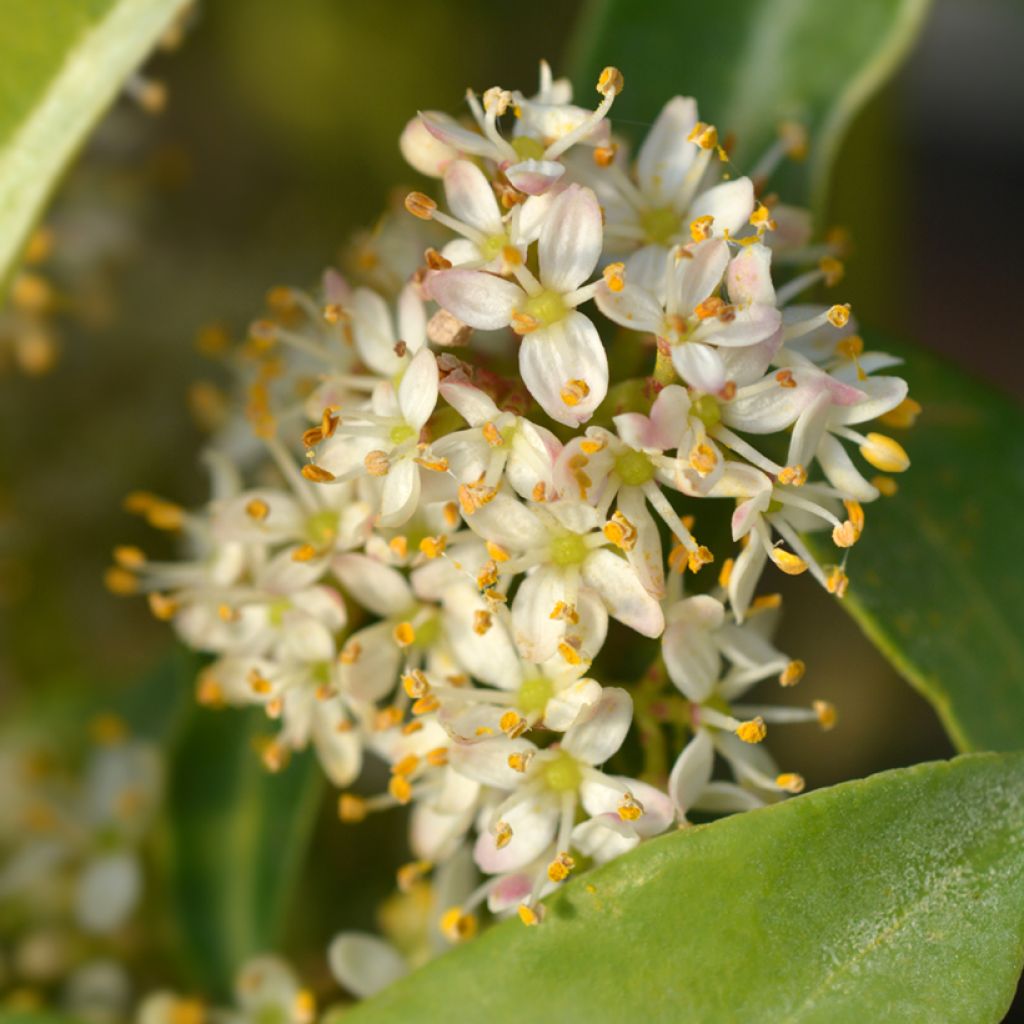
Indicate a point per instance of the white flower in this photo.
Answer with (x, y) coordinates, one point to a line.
(561, 358)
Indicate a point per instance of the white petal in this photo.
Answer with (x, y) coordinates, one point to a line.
(476, 407)
(599, 799)
(604, 838)
(417, 394)
(809, 430)
(749, 326)
(554, 359)
(533, 823)
(882, 394)
(600, 728)
(622, 592)
(374, 672)
(695, 279)
(477, 298)
(690, 653)
(412, 318)
(487, 762)
(534, 177)
(666, 153)
(744, 577)
(730, 203)
(645, 557)
(692, 772)
(634, 307)
(537, 634)
(491, 658)
(509, 892)
(564, 708)
(340, 750)
(423, 151)
(376, 586)
(570, 241)
(841, 472)
(108, 890)
(471, 197)
(400, 493)
(373, 332)
(700, 366)
(364, 964)
(508, 522)
(449, 132)
(727, 798)
(749, 277)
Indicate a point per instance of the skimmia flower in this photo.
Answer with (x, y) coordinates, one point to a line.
(451, 498)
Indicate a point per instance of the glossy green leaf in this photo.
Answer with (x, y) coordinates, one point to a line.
(751, 64)
(899, 898)
(64, 62)
(234, 841)
(935, 581)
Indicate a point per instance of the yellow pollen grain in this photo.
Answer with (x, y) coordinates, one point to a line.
(502, 834)
(704, 135)
(592, 445)
(387, 718)
(433, 547)
(784, 378)
(569, 653)
(703, 459)
(482, 621)
(425, 705)
(513, 725)
(492, 435)
(696, 560)
(604, 156)
(752, 731)
(406, 766)
(539, 492)
(630, 809)
(436, 758)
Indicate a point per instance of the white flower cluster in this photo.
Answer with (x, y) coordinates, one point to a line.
(508, 416)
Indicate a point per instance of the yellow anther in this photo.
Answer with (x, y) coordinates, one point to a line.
(274, 757)
(226, 613)
(855, 511)
(704, 135)
(826, 713)
(120, 581)
(784, 378)
(615, 276)
(274, 708)
(304, 553)
(411, 727)
(703, 459)
(592, 445)
(304, 1007)
(404, 634)
(561, 867)
(570, 654)
(317, 474)
(839, 316)
(610, 82)
(574, 391)
(492, 435)
(789, 563)
(496, 551)
(209, 693)
(523, 323)
(709, 308)
(426, 704)
(884, 453)
(564, 612)
(793, 476)
(432, 465)
(513, 725)
(621, 532)
(350, 653)
(702, 228)
(450, 511)
(387, 718)
(851, 347)
(473, 497)
(604, 156)
(502, 834)
(433, 547)
(837, 582)
(528, 915)
(377, 463)
(539, 492)
(794, 139)
(107, 729)
(886, 485)
(420, 205)
(790, 782)
(406, 766)
(752, 731)
(832, 269)
(163, 607)
(725, 574)
(903, 416)
(399, 546)
(520, 761)
(400, 788)
(416, 684)
(482, 621)
(845, 535)
(258, 683)
(487, 577)
(436, 758)
(696, 560)
(257, 509)
(483, 730)
(792, 673)
(129, 557)
(457, 926)
(762, 219)
(630, 808)
(409, 875)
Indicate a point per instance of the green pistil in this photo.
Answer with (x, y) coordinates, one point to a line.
(428, 632)
(660, 224)
(562, 773)
(707, 410)
(322, 528)
(534, 695)
(634, 468)
(527, 148)
(276, 610)
(492, 246)
(546, 307)
(401, 433)
(569, 549)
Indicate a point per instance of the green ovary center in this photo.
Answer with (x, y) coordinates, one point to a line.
(707, 410)
(428, 632)
(660, 224)
(402, 433)
(569, 549)
(534, 695)
(276, 610)
(322, 527)
(527, 148)
(492, 246)
(562, 773)
(634, 468)
(546, 307)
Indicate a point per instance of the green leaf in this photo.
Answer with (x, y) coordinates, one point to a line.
(898, 898)
(234, 842)
(750, 64)
(935, 582)
(64, 62)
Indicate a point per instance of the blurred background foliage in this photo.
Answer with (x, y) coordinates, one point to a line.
(279, 139)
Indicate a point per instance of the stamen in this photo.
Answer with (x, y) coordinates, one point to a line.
(752, 731)
(792, 673)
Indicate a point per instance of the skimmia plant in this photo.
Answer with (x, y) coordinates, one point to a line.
(432, 504)
(487, 583)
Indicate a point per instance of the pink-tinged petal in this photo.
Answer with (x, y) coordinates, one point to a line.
(809, 430)
(700, 366)
(749, 277)
(373, 673)
(730, 203)
(766, 410)
(566, 359)
(534, 177)
(590, 484)
(365, 964)
(645, 556)
(669, 415)
(695, 279)
(377, 587)
(794, 227)
(487, 762)
(508, 522)
(537, 634)
(335, 287)
(528, 218)
(881, 395)
(691, 773)
(743, 580)
(604, 838)
(471, 198)
(749, 326)
(841, 472)
(634, 307)
(417, 394)
(688, 647)
(373, 332)
(666, 153)
(399, 493)
(749, 364)
(533, 823)
(570, 240)
(600, 799)
(476, 407)
(564, 708)
(612, 578)
(449, 132)
(600, 728)
(477, 298)
(509, 893)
